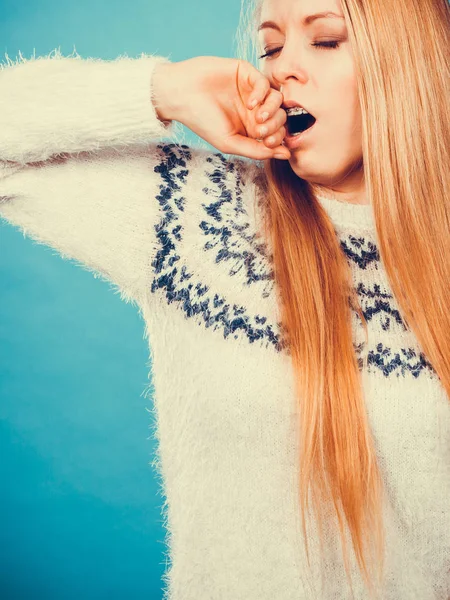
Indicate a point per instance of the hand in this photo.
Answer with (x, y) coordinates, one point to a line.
(211, 96)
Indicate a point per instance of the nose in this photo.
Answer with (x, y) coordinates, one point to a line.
(287, 68)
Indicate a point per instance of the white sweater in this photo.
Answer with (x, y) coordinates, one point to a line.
(175, 229)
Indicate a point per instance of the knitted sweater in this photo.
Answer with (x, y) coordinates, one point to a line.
(176, 230)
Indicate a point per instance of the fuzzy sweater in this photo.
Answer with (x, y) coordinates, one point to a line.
(84, 170)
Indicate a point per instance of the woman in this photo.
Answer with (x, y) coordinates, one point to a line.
(269, 395)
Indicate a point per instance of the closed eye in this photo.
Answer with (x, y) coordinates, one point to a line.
(324, 45)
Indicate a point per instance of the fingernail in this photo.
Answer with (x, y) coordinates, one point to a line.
(280, 156)
(264, 116)
(263, 130)
(253, 103)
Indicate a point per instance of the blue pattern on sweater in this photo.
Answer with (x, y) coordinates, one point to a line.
(179, 283)
(230, 239)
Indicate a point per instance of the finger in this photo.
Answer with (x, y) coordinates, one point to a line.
(245, 146)
(261, 87)
(275, 139)
(272, 125)
(270, 106)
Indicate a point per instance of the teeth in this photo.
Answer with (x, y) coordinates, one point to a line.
(297, 110)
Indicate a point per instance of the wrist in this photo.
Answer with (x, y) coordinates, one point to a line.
(164, 94)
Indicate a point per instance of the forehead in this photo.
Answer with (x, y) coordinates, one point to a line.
(286, 9)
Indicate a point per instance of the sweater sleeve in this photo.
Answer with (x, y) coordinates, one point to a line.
(78, 155)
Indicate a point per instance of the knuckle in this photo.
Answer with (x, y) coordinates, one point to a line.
(274, 100)
(278, 96)
(263, 84)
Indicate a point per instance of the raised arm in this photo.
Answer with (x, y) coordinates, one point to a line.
(55, 104)
(78, 151)
(83, 168)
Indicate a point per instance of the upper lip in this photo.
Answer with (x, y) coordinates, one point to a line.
(292, 103)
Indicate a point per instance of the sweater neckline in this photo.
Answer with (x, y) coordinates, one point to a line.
(346, 215)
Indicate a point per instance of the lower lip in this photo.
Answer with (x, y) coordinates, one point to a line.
(294, 141)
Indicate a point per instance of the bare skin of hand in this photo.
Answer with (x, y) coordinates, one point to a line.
(212, 97)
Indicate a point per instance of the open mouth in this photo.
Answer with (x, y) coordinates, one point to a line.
(299, 123)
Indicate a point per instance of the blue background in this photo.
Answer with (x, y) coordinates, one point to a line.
(80, 503)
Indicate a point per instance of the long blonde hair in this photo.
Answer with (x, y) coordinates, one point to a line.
(400, 49)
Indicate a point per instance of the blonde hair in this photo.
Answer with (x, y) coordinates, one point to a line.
(400, 49)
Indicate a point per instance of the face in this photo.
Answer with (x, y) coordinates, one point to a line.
(322, 80)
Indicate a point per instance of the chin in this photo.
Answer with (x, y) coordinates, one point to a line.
(306, 168)
(317, 171)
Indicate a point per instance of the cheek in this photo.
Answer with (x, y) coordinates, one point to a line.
(342, 87)
(346, 108)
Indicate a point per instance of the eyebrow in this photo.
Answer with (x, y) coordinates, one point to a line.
(306, 21)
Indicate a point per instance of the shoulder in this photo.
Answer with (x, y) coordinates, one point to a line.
(198, 183)
(184, 161)
(211, 259)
